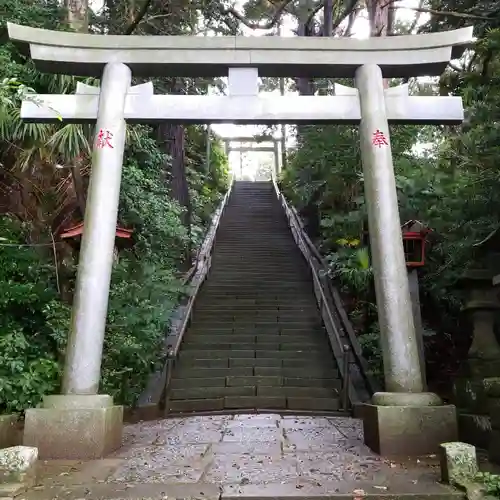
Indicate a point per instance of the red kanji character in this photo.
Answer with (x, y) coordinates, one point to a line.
(379, 139)
(104, 139)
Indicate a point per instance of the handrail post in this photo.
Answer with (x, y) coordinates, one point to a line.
(345, 378)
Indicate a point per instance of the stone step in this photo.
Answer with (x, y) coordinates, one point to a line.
(313, 404)
(271, 262)
(264, 353)
(258, 289)
(222, 308)
(188, 383)
(257, 317)
(254, 380)
(210, 392)
(260, 341)
(206, 354)
(327, 371)
(195, 405)
(225, 302)
(314, 374)
(280, 253)
(303, 363)
(242, 240)
(260, 325)
(251, 276)
(241, 346)
(188, 372)
(309, 306)
(296, 392)
(241, 327)
(262, 331)
(236, 286)
(228, 277)
(222, 294)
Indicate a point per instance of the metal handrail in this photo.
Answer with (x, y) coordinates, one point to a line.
(158, 384)
(340, 331)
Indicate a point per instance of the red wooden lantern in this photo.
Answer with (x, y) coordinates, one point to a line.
(414, 237)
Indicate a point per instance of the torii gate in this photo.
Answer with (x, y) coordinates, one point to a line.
(403, 420)
(259, 146)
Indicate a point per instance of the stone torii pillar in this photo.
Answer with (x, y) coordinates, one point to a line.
(404, 410)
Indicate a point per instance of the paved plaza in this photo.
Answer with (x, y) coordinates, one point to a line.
(258, 456)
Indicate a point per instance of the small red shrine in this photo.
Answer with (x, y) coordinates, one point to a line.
(77, 230)
(414, 238)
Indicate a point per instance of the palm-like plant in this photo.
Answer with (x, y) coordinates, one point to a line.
(52, 160)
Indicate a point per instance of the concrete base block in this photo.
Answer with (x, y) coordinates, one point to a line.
(8, 431)
(408, 430)
(74, 427)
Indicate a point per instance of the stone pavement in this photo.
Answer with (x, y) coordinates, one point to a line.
(259, 456)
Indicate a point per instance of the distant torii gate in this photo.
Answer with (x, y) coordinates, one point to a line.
(403, 420)
(256, 147)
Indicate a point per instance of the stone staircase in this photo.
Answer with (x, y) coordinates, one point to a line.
(256, 339)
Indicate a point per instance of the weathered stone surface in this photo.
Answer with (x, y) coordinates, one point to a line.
(74, 433)
(8, 431)
(458, 462)
(164, 459)
(423, 428)
(406, 399)
(18, 465)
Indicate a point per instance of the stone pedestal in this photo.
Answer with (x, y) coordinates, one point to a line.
(74, 427)
(483, 359)
(408, 424)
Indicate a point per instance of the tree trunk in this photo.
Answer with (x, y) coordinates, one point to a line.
(305, 86)
(171, 139)
(381, 20)
(328, 18)
(78, 15)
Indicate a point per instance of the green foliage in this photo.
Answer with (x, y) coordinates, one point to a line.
(142, 299)
(33, 323)
(491, 483)
(146, 206)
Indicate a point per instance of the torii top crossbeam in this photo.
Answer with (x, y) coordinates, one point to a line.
(86, 55)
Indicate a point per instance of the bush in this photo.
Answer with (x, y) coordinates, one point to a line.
(33, 323)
